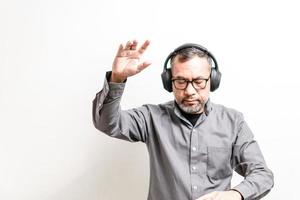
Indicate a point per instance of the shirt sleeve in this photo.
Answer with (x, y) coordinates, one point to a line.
(129, 125)
(248, 161)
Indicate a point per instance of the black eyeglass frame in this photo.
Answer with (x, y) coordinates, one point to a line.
(187, 82)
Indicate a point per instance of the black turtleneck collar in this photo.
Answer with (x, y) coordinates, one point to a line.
(191, 117)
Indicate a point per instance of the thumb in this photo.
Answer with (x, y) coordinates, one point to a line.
(143, 65)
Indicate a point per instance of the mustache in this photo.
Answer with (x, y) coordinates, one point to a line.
(201, 100)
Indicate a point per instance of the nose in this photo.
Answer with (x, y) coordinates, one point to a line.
(190, 90)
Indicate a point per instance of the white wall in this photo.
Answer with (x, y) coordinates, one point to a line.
(53, 57)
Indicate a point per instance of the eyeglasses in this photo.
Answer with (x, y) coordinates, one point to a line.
(181, 84)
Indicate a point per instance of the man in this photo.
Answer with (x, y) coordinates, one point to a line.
(194, 145)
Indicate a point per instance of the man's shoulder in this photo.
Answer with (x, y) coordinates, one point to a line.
(224, 111)
(162, 107)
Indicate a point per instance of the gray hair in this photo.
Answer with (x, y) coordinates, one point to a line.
(187, 54)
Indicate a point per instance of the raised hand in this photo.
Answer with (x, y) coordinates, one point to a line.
(127, 61)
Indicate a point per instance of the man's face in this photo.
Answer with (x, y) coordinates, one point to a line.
(191, 100)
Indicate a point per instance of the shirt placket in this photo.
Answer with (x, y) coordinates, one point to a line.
(194, 164)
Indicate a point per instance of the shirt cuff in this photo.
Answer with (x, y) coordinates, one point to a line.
(113, 90)
(243, 190)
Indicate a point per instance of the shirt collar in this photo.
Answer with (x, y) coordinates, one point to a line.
(208, 107)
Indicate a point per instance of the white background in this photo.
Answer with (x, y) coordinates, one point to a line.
(53, 58)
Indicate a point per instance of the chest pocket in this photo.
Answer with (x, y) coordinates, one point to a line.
(218, 162)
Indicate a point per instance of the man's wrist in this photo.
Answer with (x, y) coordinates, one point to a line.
(116, 79)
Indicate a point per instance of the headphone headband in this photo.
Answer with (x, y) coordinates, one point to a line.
(191, 45)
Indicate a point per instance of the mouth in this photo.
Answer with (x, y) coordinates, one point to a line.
(190, 101)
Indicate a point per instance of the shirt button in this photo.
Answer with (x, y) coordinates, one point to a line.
(195, 187)
(194, 168)
(194, 148)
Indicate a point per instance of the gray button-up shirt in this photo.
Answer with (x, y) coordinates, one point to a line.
(187, 161)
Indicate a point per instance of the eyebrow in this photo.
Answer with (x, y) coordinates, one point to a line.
(181, 77)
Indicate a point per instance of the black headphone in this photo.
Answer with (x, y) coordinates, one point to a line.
(215, 75)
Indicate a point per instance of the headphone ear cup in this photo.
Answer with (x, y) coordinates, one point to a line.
(215, 79)
(166, 77)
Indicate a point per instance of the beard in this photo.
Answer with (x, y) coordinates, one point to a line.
(196, 108)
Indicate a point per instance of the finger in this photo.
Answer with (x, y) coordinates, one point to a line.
(119, 53)
(133, 45)
(143, 65)
(128, 45)
(144, 47)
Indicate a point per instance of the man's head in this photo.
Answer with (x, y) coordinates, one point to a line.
(191, 69)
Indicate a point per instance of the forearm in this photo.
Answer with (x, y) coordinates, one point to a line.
(249, 162)
(257, 184)
(110, 119)
(106, 106)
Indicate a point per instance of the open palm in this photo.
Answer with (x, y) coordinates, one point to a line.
(127, 61)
